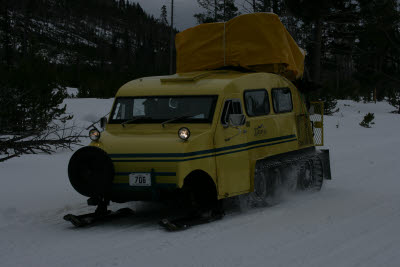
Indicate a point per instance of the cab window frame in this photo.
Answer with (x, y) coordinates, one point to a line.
(273, 100)
(267, 97)
(208, 120)
(224, 112)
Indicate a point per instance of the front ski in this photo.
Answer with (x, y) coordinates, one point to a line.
(185, 222)
(92, 218)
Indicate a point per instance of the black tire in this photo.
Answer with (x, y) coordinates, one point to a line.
(266, 189)
(290, 178)
(311, 175)
(91, 172)
(275, 186)
(199, 194)
(258, 198)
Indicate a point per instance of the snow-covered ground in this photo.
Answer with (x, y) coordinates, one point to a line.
(353, 221)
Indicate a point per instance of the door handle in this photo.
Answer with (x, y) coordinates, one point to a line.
(229, 138)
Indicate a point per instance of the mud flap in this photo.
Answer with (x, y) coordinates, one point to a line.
(326, 165)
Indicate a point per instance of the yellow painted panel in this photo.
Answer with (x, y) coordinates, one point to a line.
(226, 154)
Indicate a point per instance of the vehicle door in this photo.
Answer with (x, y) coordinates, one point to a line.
(262, 127)
(231, 150)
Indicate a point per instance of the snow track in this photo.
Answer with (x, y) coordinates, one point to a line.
(353, 221)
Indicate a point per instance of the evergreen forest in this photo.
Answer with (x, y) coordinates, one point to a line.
(92, 45)
(352, 46)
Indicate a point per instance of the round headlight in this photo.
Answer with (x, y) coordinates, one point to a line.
(94, 134)
(184, 133)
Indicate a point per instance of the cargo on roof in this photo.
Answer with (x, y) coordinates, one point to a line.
(258, 42)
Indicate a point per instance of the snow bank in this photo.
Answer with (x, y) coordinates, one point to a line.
(353, 221)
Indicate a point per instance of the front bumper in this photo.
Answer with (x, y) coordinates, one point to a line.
(163, 186)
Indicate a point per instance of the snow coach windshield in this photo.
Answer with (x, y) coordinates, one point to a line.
(161, 109)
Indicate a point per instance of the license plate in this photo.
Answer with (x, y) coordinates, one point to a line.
(140, 179)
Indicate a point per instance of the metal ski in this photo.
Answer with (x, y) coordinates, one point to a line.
(92, 218)
(185, 222)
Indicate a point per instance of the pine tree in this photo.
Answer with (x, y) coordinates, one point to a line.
(378, 56)
(6, 50)
(368, 120)
(121, 4)
(313, 11)
(274, 6)
(31, 103)
(164, 15)
(216, 11)
(394, 99)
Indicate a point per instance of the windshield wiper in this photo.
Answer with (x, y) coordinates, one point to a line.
(177, 118)
(134, 119)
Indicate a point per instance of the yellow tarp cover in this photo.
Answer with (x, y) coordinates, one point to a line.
(257, 41)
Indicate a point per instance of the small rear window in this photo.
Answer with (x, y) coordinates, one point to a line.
(282, 100)
(256, 102)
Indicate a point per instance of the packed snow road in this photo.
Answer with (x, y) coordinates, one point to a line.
(353, 221)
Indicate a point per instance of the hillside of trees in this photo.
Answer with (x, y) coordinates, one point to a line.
(97, 45)
(93, 45)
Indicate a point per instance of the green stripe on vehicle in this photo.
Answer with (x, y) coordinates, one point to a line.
(202, 157)
(197, 153)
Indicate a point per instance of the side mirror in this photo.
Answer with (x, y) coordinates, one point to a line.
(103, 122)
(236, 120)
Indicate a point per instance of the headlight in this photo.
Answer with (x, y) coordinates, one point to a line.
(94, 134)
(184, 133)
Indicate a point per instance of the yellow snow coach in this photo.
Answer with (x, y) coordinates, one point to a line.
(229, 123)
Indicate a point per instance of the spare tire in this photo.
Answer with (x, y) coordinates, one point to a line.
(91, 172)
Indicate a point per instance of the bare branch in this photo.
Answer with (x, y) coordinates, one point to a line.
(55, 137)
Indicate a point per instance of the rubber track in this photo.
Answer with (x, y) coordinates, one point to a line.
(298, 159)
(288, 160)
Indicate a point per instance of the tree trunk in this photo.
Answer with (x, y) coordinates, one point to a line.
(215, 10)
(266, 6)
(172, 41)
(225, 10)
(275, 7)
(316, 53)
(7, 38)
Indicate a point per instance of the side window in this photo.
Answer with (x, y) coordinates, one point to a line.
(282, 100)
(256, 102)
(231, 106)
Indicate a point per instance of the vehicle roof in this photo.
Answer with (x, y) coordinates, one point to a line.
(193, 83)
